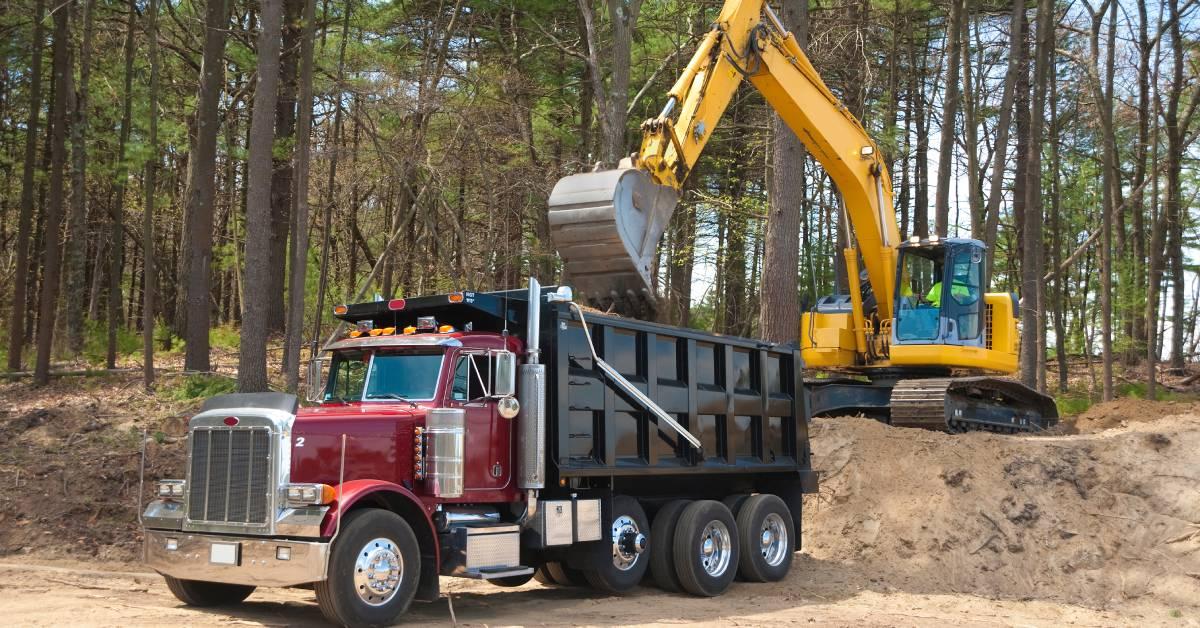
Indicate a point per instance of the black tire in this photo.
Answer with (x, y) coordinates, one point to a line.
(734, 502)
(662, 547)
(703, 521)
(511, 581)
(765, 516)
(387, 536)
(198, 593)
(617, 563)
(541, 575)
(565, 576)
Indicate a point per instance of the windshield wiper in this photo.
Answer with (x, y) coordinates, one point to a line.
(387, 395)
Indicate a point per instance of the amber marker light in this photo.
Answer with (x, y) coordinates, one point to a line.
(340, 309)
(456, 297)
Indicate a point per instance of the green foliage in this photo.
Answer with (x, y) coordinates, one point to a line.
(1070, 404)
(199, 386)
(224, 337)
(95, 341)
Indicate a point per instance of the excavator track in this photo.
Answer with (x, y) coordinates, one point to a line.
(964, 404)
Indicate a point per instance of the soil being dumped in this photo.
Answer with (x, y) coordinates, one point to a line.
(1101, 519)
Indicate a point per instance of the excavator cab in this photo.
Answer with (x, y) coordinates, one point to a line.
(940, 296)
(943, 314)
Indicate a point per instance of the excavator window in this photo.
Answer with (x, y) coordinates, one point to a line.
(919, 304)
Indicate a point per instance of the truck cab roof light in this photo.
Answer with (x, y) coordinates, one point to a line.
(455, 297)
(396, 304)
(410, 330)
(446, 329)
(338, 310)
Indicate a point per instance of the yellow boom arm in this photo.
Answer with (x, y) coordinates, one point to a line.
(749, 41)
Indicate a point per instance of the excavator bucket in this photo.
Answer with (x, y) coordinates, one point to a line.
(606, 226)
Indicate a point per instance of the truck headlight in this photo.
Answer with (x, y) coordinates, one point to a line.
(171, 489)
(309, 494)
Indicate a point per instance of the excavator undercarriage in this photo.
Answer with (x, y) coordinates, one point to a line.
(950, 404)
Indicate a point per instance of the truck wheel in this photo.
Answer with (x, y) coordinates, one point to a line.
(706, 548)
(565, 576)
(734, 503)
(374, 569)
(198, 593)
(767, 539)
(617, 564)
(662, 550)
(541, 575)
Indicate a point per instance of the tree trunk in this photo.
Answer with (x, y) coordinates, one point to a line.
(779, 314)
(996, 190)
(1032, 307)
(1174, 210)
(201, 193)
(252, 362)
(949, 117)
(149, 263)
(613, 100)
(76, 251)
(16, 322)
(299, 240)
(117, 252)
(281, 178)
(51, 251)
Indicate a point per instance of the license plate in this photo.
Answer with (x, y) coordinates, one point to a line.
(224, 553)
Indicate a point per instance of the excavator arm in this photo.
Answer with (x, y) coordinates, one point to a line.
(606, 225)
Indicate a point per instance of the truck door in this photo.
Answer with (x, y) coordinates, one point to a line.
(488, 465)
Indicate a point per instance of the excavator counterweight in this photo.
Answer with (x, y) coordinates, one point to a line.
(606, 226)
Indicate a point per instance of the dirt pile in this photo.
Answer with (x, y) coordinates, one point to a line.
(1123, 412)
(70, 458)
(1099, 519)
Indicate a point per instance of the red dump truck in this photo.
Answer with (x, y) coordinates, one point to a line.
(501, 436)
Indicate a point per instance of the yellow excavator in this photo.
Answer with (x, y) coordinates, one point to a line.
(915, 342)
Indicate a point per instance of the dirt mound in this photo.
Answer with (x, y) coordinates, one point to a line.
(70, 458)
(1094, 519)
(1122, 412)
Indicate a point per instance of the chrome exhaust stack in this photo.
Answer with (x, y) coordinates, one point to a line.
(531, 420)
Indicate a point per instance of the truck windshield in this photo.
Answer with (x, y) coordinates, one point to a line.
(388, 376)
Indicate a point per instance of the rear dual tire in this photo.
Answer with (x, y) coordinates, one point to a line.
(706, 548)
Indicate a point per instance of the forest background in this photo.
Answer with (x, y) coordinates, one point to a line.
(179, 174)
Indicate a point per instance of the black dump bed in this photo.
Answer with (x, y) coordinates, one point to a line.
(739, 397)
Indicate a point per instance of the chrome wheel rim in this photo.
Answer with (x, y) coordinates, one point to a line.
(773, 540)
(628, 543)
(378, 570)
(716, 548)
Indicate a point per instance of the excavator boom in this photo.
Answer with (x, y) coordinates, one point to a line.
(912, 333)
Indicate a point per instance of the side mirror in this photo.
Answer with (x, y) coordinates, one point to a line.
(314, 380)
(505, 383)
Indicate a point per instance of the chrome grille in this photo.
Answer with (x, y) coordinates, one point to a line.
(229, 475)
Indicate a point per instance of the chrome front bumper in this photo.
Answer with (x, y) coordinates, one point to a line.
(256, 560)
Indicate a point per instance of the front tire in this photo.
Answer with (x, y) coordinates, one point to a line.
(767, 540)
(618, 563)
(374, 570)
(198, 593)
(706, 548)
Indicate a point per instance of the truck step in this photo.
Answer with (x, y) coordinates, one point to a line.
(492, 573)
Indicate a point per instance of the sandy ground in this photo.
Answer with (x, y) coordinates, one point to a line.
(41, 593)
(1097, 524)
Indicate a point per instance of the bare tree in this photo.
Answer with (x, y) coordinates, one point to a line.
(198, 214)
(612, 99)
(149, 263)
(949, 115)
(16, 322)
(252, 361)
(299, 241)
(779, 314)
(52, 225)
(76, 249)
(1032, 306)
(117, 252)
